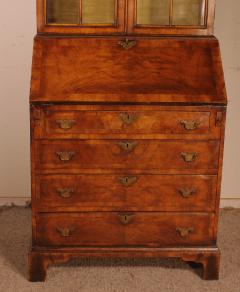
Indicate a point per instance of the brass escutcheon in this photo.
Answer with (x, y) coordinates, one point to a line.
(127, 180)
(184, 231)
(127, 44)
(65, 193)
(65, 232)
(65, 155)
(65, 124)
(189, 157)
(190, 125)
(128, 118)
(188, 192)
(125, 218)
(127, 146)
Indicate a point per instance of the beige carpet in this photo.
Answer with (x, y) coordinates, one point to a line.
(113, 275)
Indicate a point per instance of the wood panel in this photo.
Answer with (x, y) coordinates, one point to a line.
(121, 229)
(125, 192)
(130, 122)
(125, 121)
(154, 70)
(126, 155)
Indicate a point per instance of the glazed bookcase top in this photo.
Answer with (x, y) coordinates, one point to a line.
(146, 17)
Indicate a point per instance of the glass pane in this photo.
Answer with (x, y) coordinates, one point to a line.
(153, 12)
(188, 12)
(63, 11)
(98, 12)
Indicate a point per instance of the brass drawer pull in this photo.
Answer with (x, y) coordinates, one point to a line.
(125, 218)
(65, 124)
(128, 118)
(184, 231)
(65, 193)
(190, 125)
(65, 232)
(127, 146)
(127, 44)
(189, 157)
(187, 193)
(65, 155)
(127, 180)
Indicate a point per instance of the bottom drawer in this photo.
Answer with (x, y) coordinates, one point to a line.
(125, 229)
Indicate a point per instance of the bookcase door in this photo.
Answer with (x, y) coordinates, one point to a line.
(81, 16)
(194, 17)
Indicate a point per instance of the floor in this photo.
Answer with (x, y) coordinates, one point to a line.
(114, 275)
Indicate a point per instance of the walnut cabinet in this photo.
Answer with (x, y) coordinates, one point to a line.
(128, 108)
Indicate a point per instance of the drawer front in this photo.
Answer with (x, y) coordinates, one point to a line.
(178, 156)
(120, 229)
(120, 122)
(125, 192)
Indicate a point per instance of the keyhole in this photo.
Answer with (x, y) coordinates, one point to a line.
(126, 180)
(125, 218)
(127, 145)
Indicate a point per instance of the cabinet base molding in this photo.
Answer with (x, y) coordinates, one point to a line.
(40, 259)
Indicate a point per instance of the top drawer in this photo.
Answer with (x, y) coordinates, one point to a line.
(74, 123)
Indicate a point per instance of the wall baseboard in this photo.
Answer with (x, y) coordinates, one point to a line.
(15, 201)
(230, 203)
(25, 201)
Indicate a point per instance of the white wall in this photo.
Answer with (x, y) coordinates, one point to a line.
(17, 28)
(227, 30)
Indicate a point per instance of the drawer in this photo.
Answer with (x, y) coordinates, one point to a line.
(131, 122)
(128, 192)
(175, 156)
(121, 229)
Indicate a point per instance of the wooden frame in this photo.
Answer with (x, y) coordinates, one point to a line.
(208, 258)
(125, 23)
(117, 28)
(206, 29)
(93, 101)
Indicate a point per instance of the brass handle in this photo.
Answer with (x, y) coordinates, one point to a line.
(127, 146)
(190, 125)
(189, 157)
(125, 218)
(65, 124)
(186, 193)
(128, 118)
(127, 180)
(184, 231)
(65, 193)
(65, 155)
(127, 44)
(65, 232)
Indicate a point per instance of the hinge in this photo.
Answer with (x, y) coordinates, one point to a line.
(219, 118)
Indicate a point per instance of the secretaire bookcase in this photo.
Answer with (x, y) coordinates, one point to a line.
(128, 108)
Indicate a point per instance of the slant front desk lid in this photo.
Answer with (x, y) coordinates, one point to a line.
(155, 70)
